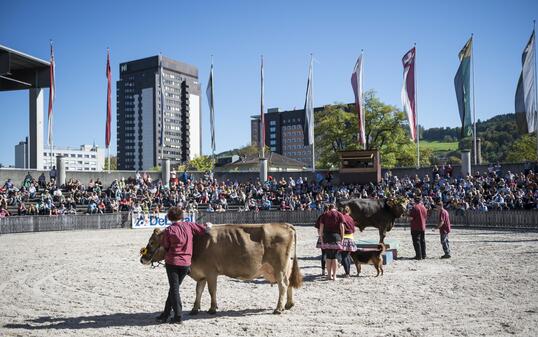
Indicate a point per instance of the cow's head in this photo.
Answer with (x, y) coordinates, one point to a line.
(397, 206)
(153, 252)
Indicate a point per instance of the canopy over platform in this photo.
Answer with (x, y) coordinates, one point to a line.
(19, 71)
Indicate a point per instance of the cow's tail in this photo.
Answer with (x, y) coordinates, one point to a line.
(296, 278)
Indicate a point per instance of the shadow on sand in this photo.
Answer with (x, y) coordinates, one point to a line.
(118, 320)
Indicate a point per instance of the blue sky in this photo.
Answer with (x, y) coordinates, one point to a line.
(285, 32)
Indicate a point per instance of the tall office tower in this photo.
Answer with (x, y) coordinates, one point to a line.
(139, 113)
(283, 133)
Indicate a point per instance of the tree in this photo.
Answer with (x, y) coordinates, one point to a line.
(386, 130)
(201, 163)
(523, 149)
(113, 163)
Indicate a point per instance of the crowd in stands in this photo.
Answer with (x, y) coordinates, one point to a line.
(483, 191)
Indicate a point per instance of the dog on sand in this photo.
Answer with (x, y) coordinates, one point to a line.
(369, 256)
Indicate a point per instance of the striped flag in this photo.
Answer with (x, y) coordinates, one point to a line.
(161, 141)
(526, 105)
(462, 84)
(262, 119)
(308, 129)
(408, 90)
(210, 101)
(52, 93)
(356, 83)
(108, 104)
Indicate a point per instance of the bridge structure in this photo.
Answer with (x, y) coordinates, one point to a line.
(20, 71)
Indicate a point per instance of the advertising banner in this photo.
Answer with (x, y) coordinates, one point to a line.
(160, 220)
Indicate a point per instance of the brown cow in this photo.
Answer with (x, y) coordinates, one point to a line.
(243, 252)
(376, 213)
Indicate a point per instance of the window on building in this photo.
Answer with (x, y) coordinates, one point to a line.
(273, 148)
(272, 123)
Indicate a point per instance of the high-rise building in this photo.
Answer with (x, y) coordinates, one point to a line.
(139, 113)
(284, 133)
(21, 154)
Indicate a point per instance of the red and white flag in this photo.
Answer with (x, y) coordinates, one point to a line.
(408, 90)
(356, 83)
(52, 92)
(108, 104)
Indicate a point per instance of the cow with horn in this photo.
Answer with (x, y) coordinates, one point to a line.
(378, 213)
(245, 252)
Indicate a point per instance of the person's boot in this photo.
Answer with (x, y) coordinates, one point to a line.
(176, 320)
(162, 318)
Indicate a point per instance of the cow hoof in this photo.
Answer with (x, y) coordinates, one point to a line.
(277, 311)
(193, 312)
(212, 311)
(289, 305)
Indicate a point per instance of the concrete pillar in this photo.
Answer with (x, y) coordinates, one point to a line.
(165, 171)
(465, 163)
(263, 170)
(478, 151)
(35, 139)
(60, 171)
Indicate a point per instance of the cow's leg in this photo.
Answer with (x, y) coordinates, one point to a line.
(283, 284)
(200, 285)
(212, 287)
(289, 300)
(382, 234)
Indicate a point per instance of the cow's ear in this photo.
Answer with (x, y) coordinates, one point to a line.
(156, 231)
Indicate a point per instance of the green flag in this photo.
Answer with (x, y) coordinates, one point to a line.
(462, 84)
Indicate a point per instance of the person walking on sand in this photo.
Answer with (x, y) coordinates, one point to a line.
(348, 243)
(418, 215)
(331, 230)
(177, 242)
(444, 228)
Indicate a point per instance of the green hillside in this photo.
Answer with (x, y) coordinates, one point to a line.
(439, 146)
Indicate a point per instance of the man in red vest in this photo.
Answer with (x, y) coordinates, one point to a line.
(444, 229)
(418, 215)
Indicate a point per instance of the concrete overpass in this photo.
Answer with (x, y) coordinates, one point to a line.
(19, 71)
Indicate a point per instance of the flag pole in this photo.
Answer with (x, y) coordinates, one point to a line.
(51, 134)
(313, 114)
(212, 108)
(417, 125)
(475, 156)
(262, 120)
(162, 106)
(108, 101)
(535, 90)
(363, 119)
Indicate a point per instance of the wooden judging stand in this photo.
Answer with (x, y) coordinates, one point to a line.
(360, 166)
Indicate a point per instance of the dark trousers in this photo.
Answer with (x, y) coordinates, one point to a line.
(346, 261)
(445, 243)
(175, 274)
(323, 258)
(419, 243)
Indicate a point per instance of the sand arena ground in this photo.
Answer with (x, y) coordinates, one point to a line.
(91, 283)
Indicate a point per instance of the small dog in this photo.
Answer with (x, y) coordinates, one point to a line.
(369, 257)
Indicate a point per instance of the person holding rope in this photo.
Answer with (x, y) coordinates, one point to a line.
(177, 242)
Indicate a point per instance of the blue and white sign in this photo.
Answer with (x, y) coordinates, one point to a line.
(160, 220)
